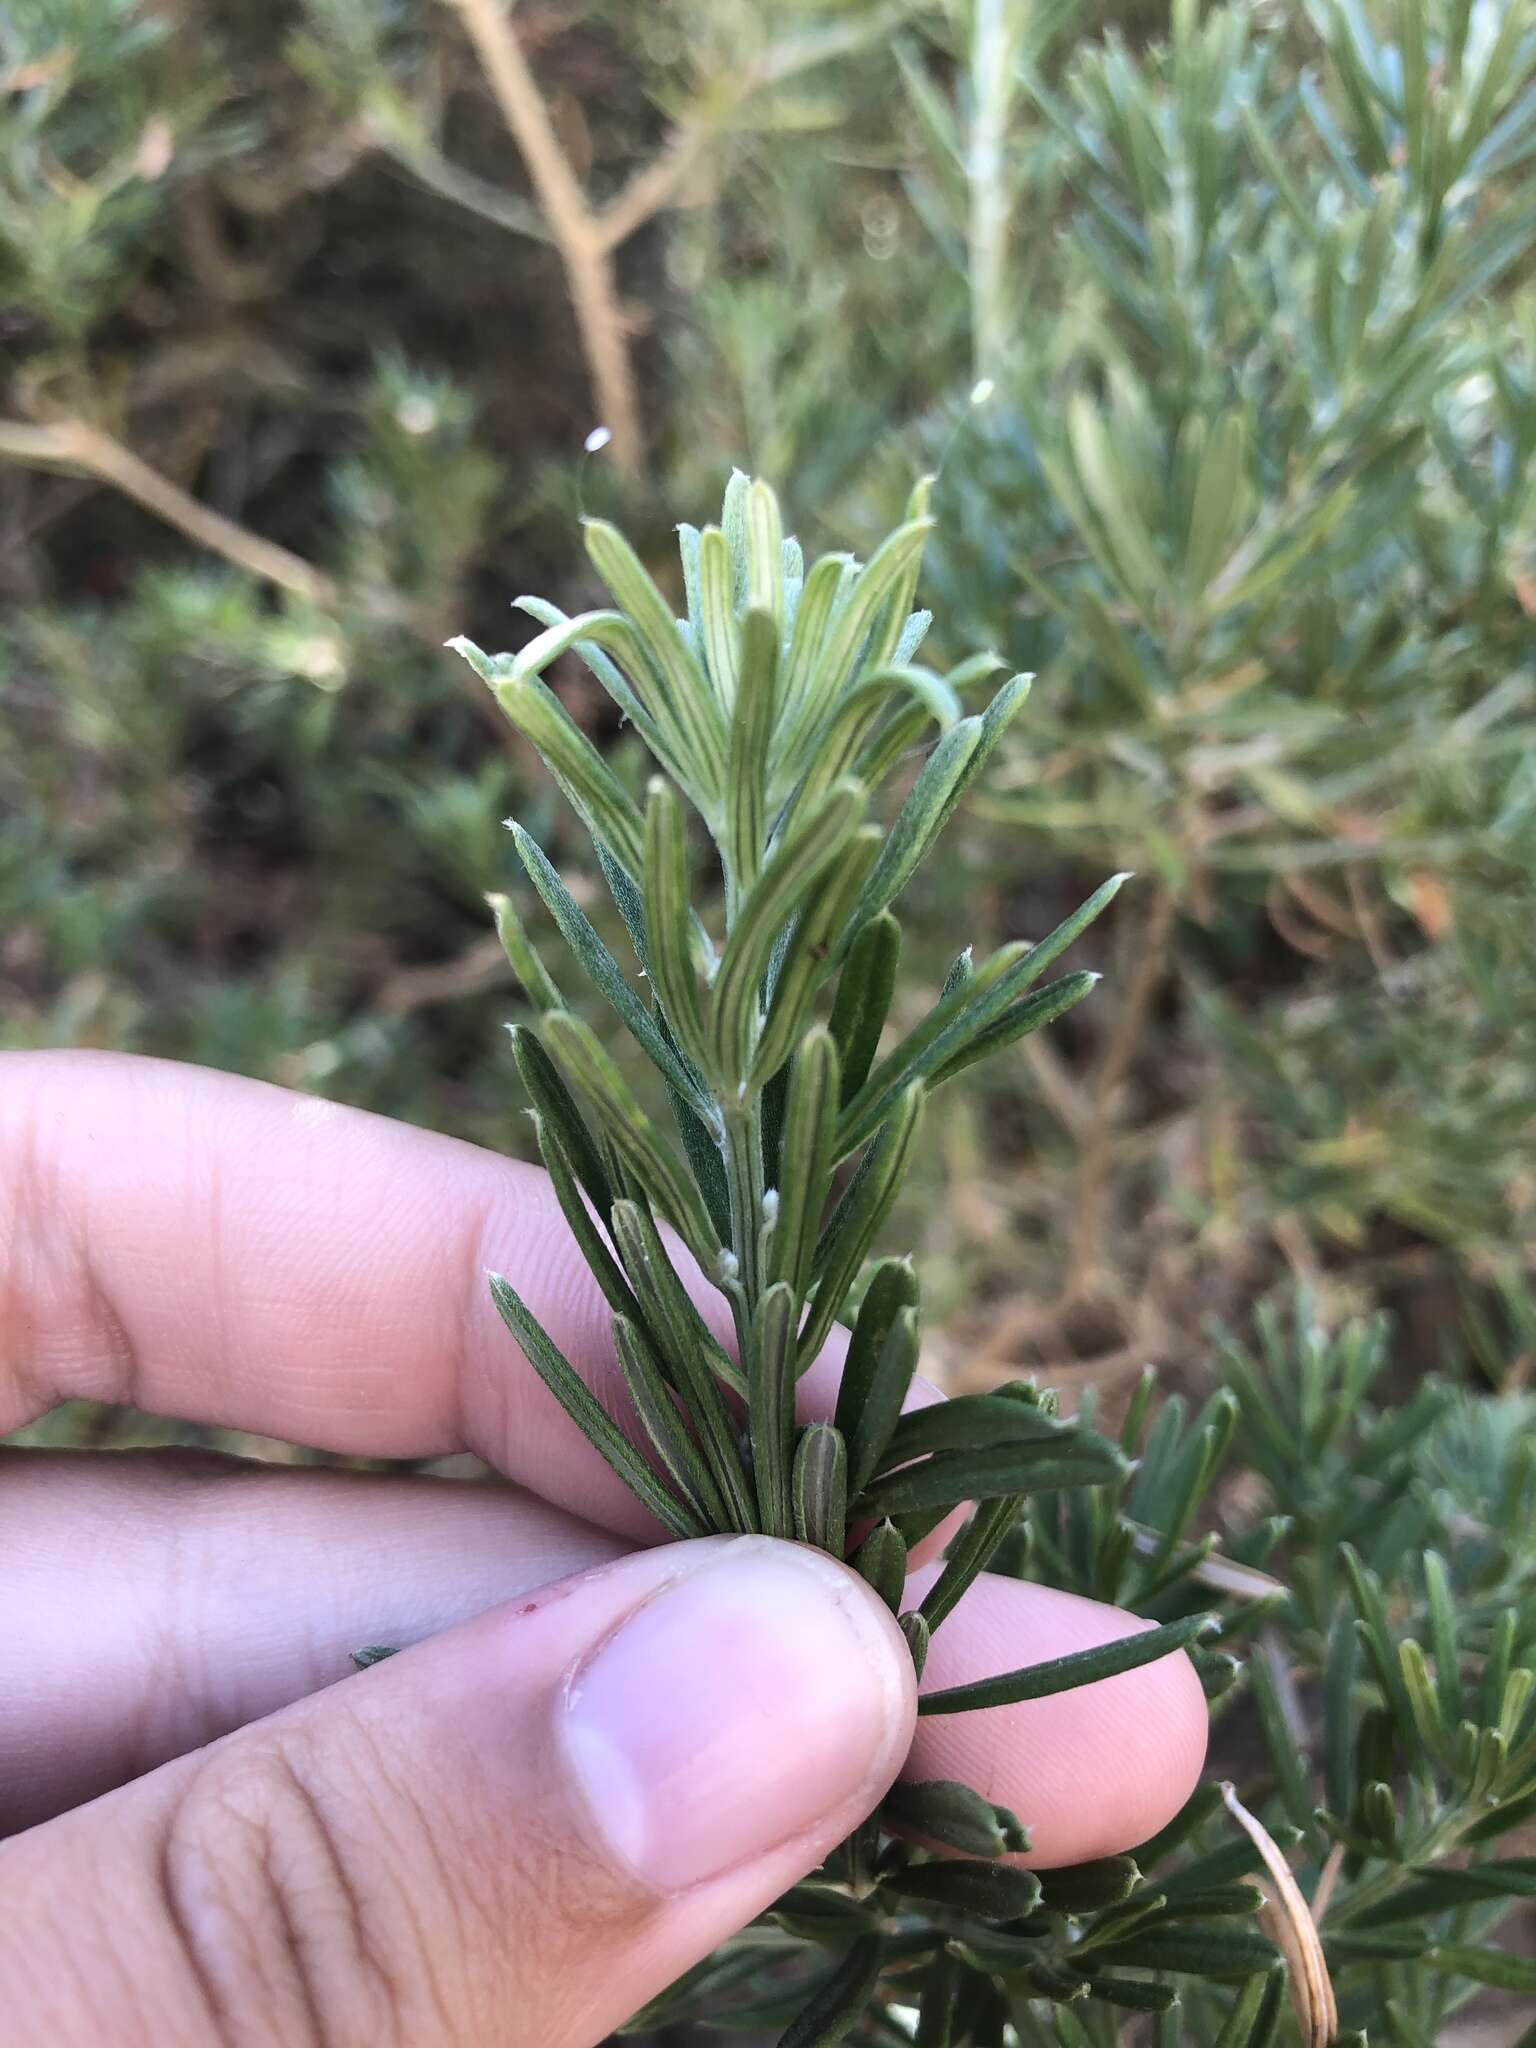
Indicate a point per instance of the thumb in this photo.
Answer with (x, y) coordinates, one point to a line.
(519, 1831)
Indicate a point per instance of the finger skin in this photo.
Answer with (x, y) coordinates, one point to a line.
(1089, 1772)
(236, 1589)
(518, 1832)
(229, 1253)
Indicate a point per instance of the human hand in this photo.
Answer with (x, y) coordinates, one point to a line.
(602, 1756)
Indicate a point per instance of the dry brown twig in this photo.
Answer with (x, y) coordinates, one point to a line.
(76, 444)
(1290, 1924)
(585, 245)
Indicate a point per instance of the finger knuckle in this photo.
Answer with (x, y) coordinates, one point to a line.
(283, 1905)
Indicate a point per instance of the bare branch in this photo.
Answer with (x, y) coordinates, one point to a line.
(580, 239)
(76, 444)
(653, 186)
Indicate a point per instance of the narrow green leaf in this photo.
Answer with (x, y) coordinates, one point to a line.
(921, 818)
(1105, 485)
(689, 1355)
(1089, 1887)
(941, 1987)
(968, 1422)
(752, 722)
(554, 1104)
(1214, 510)
(733, 523)
(771, 1408)
(779, 890)
(841, 2002)
(842, 741)
(1376, 1633)
(1033, 1014)
(629, 900)
(995, 1891)
(1255, 2019)
(1430, 1892)
(959, 974)
(805, 1159)
(1493, 1966)
(975, 1016)
(1135, 1994)
(1064, 1674)
(599, 657)
(851, 642)
(685, 705)
(1202, 1803)
(1442, 1637)
(1397, 1945)
(968, 1557)
(1226, 1902)
(863, 1002)
(719, 634)
(1291, 1764)
(668, 920)
(523, 956)
(579, 1221)
(589, 785)
(576, 1398)
(940, 1810)
(856, 1221)
(688, 540)
(765, 555)
(881, 1560)
(1414, 1665)
(579, 933)
(917, 1633)
(587, 1067)
(1214, 1951)
(1069, 2029)
(666, 1427)
(1077, 1458)
(823, 587)
(810, 952)
(1504, 1818)
(891, 1290)
(820, 1487)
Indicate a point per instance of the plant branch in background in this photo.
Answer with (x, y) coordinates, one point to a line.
(75, 444)
(584, 241)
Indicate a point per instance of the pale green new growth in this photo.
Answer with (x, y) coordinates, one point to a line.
(784, 709)
(779, 709)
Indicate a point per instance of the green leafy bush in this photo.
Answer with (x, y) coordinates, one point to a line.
(1215, 324)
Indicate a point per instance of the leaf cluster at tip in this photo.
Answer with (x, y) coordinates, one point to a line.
(776, 710)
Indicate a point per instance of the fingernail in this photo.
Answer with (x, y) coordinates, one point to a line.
(749, 1698)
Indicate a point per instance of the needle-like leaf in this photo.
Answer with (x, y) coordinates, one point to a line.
(580, 1404)
(1064, 1674)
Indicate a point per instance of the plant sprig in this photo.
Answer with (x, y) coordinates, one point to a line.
(781, 710)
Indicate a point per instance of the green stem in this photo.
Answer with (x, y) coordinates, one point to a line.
(997, 30)
(1441, 1839)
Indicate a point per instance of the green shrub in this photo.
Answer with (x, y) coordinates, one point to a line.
(1216, 324)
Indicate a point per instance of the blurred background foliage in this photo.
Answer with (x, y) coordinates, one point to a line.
(1218, 326)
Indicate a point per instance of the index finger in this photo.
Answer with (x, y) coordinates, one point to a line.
(225, 1252)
